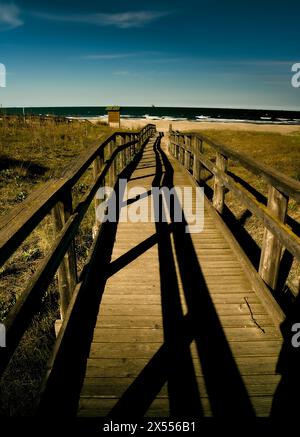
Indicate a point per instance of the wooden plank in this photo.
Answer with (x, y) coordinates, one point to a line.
(214, 288)
(114, 387)
(141, 335)
(156, 321)
(246, 353)
(155, 299)
(228, 309)
(95, 407)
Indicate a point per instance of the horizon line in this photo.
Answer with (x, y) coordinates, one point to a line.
(156, 106)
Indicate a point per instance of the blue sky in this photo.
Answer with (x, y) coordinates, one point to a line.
(202, 53)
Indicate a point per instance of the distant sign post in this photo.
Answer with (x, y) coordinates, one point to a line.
(113, 116)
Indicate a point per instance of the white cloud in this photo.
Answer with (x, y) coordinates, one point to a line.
(122, 20)
(9, 16)
(104, 56)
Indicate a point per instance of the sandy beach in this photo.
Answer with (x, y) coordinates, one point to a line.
(163, 126)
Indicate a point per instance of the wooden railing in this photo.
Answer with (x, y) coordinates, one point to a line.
(189, 150)
(108, 160)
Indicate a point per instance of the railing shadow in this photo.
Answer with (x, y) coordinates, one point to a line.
(225, 388)
(61, 396)
(172, 364)
(285, 402)
(251, 247)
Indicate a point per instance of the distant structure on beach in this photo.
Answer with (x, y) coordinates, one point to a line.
(113, 116)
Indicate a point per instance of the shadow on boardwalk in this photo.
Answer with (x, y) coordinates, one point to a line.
(61, 395)
(172, 363)
(285, 402)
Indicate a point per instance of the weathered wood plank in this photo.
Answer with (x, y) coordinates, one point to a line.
(246, 353)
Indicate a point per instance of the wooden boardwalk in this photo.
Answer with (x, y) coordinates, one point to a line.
(180, 331)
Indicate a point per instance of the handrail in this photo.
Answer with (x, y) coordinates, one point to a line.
(283, 183)
(56, 196)
(20, 221)
(189, 150)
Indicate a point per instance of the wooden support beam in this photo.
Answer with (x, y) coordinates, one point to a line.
(97, 167)
(197, 166)
(115, 162)
(187, 159)
(67, 271)
(272, 248)
(111, 172)
(132, 138)
(187, 153)
(123, 153)
(219, 189)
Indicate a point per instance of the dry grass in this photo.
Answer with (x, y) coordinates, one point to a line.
(280, 151)
(31, 154)
(34, 152)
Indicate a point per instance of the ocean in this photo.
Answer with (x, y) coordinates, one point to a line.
(169, 113)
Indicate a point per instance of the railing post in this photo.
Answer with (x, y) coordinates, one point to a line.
(182, 152)
(219, 189)
(123, 153)
(197, 166)
(173, 145)
(271, 248)
(132, 147)
(187, 156)
(97, 166)
(115, 163)
(196, 162)
(127, 150)
(177, 140)
(67, 271)
(111, 172)
(187, 153)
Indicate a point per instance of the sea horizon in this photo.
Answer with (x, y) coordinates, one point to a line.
(171, 113)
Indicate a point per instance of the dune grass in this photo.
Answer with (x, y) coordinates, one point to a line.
(279, 151)
(32, 153)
